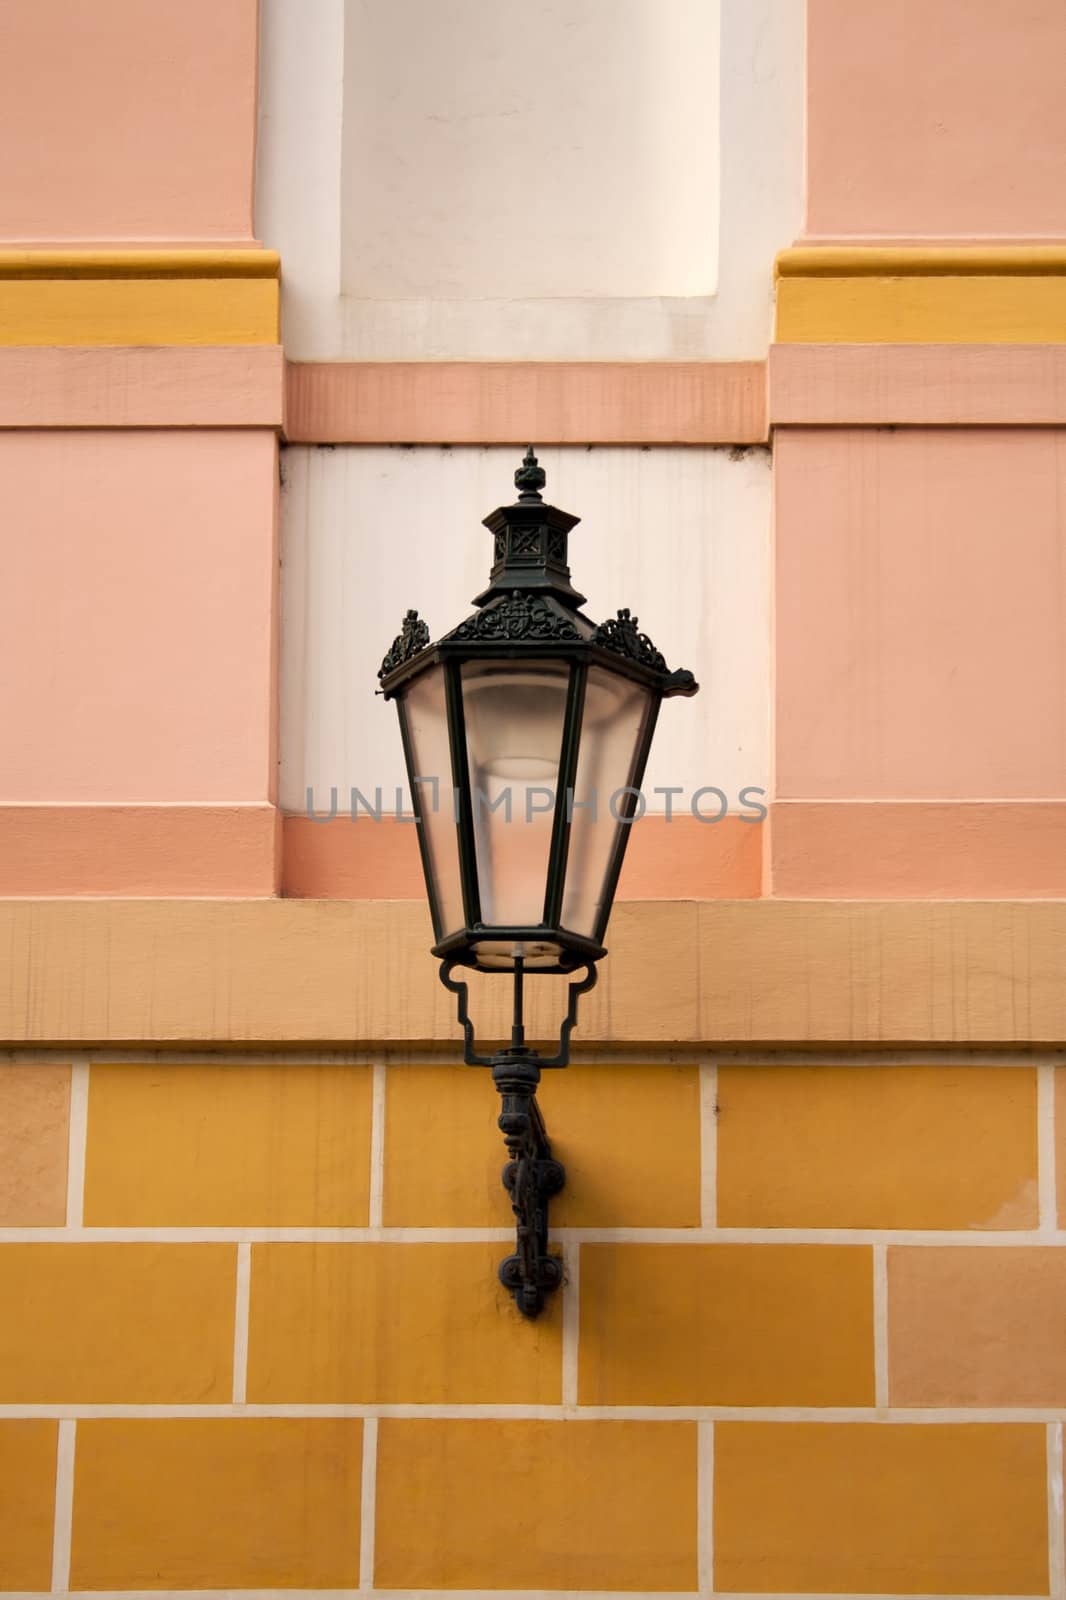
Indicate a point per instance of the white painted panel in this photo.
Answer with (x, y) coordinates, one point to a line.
(298, 150)
(679, 535)
(512, 151)
(757, 210)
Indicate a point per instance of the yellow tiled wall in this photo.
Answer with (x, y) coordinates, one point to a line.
(810, 1340)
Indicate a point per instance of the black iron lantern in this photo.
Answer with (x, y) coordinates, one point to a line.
(526, 732)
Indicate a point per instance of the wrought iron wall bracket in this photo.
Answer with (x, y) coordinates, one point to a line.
(460, 988)
(532, 1175)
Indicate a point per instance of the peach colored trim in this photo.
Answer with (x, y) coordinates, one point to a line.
(176, 262)
(884, 849)
(379, 860)
(345, 860)
(932, 385)
(116, 387)
(489, 402)
(139, 850)
(923, 261)
(748, 972)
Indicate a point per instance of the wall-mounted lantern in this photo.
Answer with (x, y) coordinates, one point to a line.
(526, 731)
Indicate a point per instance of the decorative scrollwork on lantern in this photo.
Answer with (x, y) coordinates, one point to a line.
(520, 616)
(621, 634)
(526, 542)
(413, 637)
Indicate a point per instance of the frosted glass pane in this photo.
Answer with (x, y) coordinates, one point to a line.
(427, 731)
(514, 734)
(616, 711)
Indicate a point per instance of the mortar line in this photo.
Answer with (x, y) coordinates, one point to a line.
(254, 1235)
(242, 1305)
(64, 1506)
(1045, 1160)
(502, 1411)
(1056, 1529)
(77, 1140)
(708, 1144)
(571, 1334)
(491, 1594)
(880, 1309)
(926, 1238)
(368, 1492)
(488, 1594)
(705, 1507)
(377, 1145)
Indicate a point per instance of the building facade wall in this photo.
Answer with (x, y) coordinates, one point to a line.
(262, 371)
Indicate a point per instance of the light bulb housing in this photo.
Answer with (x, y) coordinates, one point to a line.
(526, 731)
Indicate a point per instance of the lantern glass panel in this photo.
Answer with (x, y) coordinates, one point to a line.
(612, 736)
(514, 713)
(424, 707)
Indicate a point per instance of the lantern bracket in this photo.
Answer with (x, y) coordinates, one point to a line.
(461, 990)
(531, 1175)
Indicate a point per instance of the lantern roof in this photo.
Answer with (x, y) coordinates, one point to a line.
(530, 605)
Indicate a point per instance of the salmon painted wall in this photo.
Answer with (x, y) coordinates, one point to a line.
(127, 123)
(920, 744)
(143, 394)
(927, 119)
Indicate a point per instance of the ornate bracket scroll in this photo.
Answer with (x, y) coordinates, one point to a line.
(413, 637)
(531, 1175)
(622, 635)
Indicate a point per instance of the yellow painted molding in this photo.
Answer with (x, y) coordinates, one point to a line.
(953, 261)
(1010, 294)
(139, 311)
(225, 973)
(908, 310)
(174, 263)
(139, 297)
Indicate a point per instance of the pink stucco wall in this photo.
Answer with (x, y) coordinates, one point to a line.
(127, 120)
(936, 118)
(921, 613)
(137, 581)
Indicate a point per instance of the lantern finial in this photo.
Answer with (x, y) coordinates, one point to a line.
(530, 478)
(529, 543)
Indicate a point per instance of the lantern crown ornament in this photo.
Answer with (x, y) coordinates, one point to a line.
(526, 732)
